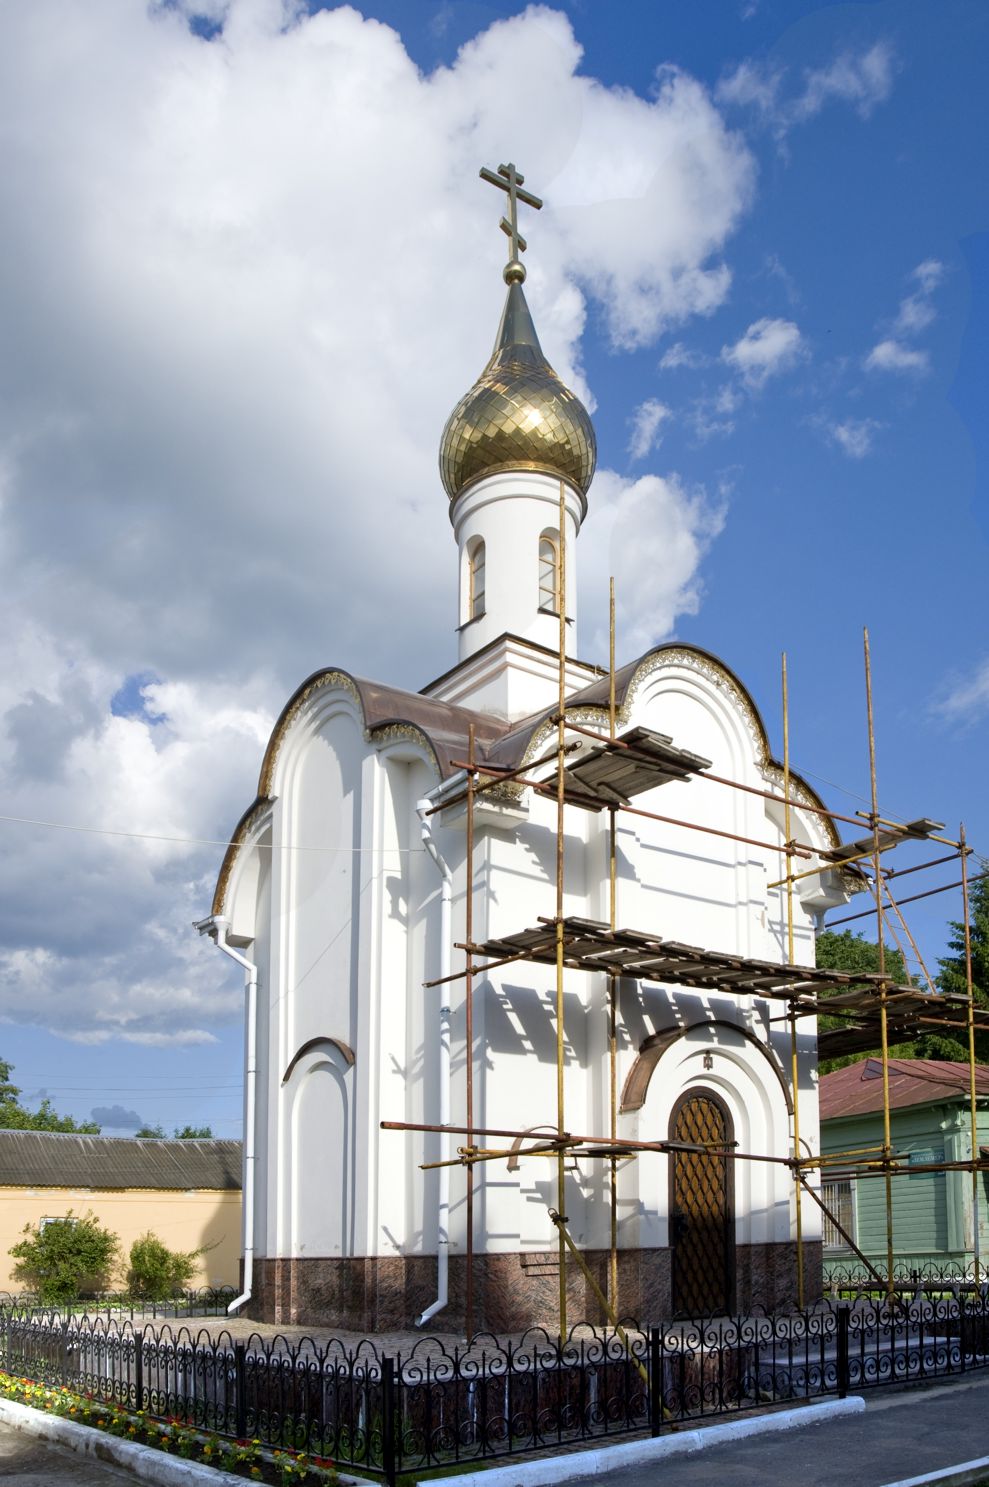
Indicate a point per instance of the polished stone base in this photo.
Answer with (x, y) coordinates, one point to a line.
(510, 1292)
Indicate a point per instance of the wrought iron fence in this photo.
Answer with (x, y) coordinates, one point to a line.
(440, 1404)
(851, 1280)
(207, 1301)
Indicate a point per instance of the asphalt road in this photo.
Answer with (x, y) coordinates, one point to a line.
(901, 1435)
(25, 1459)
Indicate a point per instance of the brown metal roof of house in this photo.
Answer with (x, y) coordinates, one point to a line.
(858, 1089)
(49, 1159)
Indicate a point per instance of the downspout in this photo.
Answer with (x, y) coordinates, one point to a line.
(216, 928)
(443, 1207)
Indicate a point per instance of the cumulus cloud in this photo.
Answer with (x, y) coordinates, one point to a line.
(647, 422)
(966, 699)
(855, 436)
(915, 314)
(655, 533)
(240, 311)
(893, 356)
(863, 80)
(767, 348)
(679, 355)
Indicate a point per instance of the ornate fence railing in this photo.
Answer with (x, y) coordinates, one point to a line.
(207, 1301)
(440, 1404)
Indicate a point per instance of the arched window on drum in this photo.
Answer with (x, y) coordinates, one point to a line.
(474, 581)
(549, 573)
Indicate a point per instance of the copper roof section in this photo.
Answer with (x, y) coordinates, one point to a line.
(858, 1089)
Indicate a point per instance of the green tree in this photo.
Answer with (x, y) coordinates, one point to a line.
(951, 968)
(16, 1117)
(847, 951)
(157, 1272)
(194, 1133)
(151, 1132)
(64, 1258)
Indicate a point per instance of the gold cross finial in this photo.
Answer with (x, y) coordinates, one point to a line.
(509, 180)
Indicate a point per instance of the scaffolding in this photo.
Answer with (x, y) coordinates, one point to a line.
(871, 1008)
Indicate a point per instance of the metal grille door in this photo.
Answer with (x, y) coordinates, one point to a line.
(701, 1223)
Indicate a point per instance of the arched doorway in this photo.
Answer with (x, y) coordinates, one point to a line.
(702, 1223)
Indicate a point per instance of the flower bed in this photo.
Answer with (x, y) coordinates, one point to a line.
(244, 1458)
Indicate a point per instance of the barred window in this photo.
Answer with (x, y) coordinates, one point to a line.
(840, 1202)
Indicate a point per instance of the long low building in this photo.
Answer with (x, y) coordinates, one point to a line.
(188, 1193)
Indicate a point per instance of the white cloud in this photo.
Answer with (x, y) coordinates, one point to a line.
(679, 355)
(855, 436)
(928, 274)
(647, 422)
(240, 313)
(767, 348)
(655, 533)
(915, 314)
(862, 80)
(967, 698)
(893, 356)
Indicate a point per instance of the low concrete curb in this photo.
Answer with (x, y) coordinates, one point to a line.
(598, 1462)
(144, 1462)
(967, 1474)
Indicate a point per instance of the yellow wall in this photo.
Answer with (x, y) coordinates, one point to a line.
(182, 1220)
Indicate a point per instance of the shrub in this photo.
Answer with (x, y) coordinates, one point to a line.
(63, 1258)
(157, 1272)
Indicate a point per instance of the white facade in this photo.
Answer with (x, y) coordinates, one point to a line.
(343, 921)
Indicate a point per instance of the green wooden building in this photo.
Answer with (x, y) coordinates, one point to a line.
(930, 1121)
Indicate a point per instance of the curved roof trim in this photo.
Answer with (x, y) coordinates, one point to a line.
(387, 715)
(628, 681)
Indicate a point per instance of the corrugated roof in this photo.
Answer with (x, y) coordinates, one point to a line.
(49, 1159)
(858, 1089)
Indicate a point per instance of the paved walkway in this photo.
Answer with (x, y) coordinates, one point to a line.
(902, 1434)
(33, 1463)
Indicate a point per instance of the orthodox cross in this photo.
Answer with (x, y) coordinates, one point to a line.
(510, 181)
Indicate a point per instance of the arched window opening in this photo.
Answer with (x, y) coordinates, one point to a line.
(475, 581)
(549, 573)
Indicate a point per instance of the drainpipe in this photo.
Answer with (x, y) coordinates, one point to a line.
(446, 919)
(216, 928)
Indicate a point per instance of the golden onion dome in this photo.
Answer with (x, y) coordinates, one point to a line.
(518, 415)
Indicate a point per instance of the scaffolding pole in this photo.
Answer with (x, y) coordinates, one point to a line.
(883, 992)
(561, 1175)
(794, 1059)
(469, 1031)
(970, 991)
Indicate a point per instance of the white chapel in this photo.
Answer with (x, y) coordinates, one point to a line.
(399, 1173)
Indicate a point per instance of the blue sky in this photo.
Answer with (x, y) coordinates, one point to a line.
(243, 239)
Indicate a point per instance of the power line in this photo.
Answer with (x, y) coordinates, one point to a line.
(196, 841)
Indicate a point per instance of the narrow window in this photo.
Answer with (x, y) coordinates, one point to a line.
(839, 1200)
(475, 581)
(549, 574)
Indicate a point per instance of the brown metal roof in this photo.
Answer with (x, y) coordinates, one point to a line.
(50, 1159)
(858, 1089)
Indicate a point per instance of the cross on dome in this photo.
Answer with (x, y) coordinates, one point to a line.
(509, 180)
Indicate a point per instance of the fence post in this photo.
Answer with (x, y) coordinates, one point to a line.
(842, 1362)
(388, 1452)
(240, 1391)
(139, 1370)
(655, 1383)
(63, 1354)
